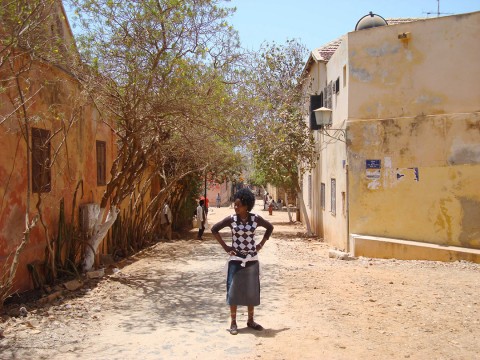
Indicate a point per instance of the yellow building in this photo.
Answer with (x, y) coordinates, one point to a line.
(399, 108)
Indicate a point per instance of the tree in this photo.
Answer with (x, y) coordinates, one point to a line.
(161, 70)
(283, 146)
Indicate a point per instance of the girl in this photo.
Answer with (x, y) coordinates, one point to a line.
(243, 281)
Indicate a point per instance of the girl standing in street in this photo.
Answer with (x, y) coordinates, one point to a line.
(243, 281)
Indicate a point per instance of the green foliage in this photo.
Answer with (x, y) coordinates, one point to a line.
(282, 144)
(257, 177)
(167, 81)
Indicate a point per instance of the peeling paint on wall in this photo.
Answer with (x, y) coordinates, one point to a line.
(373, 184)
(425, 99)
(385, 49)
(464, 154)
(444, 218)
(408, 173)
(360, 74)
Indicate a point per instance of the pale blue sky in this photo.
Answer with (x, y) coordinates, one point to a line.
(317, 22)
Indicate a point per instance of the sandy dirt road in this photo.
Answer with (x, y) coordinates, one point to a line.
(169, 303)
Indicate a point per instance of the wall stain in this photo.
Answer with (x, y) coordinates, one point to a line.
(470, 235)
(444, 219)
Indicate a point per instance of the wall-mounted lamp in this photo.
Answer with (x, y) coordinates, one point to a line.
(323, 116)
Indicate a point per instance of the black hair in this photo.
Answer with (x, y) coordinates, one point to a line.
(201, 202)
(246, 197)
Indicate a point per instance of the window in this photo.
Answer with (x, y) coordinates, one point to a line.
(101, 163)
(310, 191)
(333, 208)
(322, 195)
(329, 93)
(337, 85)
(41, 172)
(344, 75)
(344, 204)
(316, 102)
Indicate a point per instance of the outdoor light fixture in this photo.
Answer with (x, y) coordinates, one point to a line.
(323, 116)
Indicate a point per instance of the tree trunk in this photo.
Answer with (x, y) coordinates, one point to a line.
(304, 211)
(99, 232)
(288, 208)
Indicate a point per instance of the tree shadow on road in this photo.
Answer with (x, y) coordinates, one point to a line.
(184, 290)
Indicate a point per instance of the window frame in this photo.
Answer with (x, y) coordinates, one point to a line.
(41, 157)
(333, 196)
(101, 161)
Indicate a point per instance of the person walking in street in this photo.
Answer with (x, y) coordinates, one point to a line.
(219, 199)
(166, 223)
(243, 281)
(201, 218)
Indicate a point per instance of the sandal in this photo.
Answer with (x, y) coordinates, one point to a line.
(253, 325)
(233, 330)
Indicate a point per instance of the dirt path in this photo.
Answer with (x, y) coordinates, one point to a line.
(169, 303)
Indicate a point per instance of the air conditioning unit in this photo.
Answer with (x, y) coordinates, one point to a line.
(323, 116)
(88, 214)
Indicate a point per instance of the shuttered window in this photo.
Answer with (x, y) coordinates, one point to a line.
(41, 172)
(101, 163)
(316, 101)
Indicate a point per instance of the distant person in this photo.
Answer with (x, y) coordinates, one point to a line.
(166, 223)
(219, 200)
(201, 218)
(243, 281)
(205, 204)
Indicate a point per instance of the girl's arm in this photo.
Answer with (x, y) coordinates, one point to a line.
(216, 234)
(268, 231)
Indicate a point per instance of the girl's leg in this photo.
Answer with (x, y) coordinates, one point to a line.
(233, 317)
(251, 313)
(251, 323)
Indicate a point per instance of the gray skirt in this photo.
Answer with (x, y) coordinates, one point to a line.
(243, 283)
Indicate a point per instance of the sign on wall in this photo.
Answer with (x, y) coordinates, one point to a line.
(373, 169)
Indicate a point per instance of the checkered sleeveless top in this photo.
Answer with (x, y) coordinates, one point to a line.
(243, 235)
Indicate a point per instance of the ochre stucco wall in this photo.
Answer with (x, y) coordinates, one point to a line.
(427, 188)
(435, 71)
(414, 105)
(57, 101)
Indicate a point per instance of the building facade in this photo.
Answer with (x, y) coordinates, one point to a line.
(400, 154)
(57, 152)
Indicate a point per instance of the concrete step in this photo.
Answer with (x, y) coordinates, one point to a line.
(388, 248)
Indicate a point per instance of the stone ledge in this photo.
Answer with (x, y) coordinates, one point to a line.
(388, 248)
